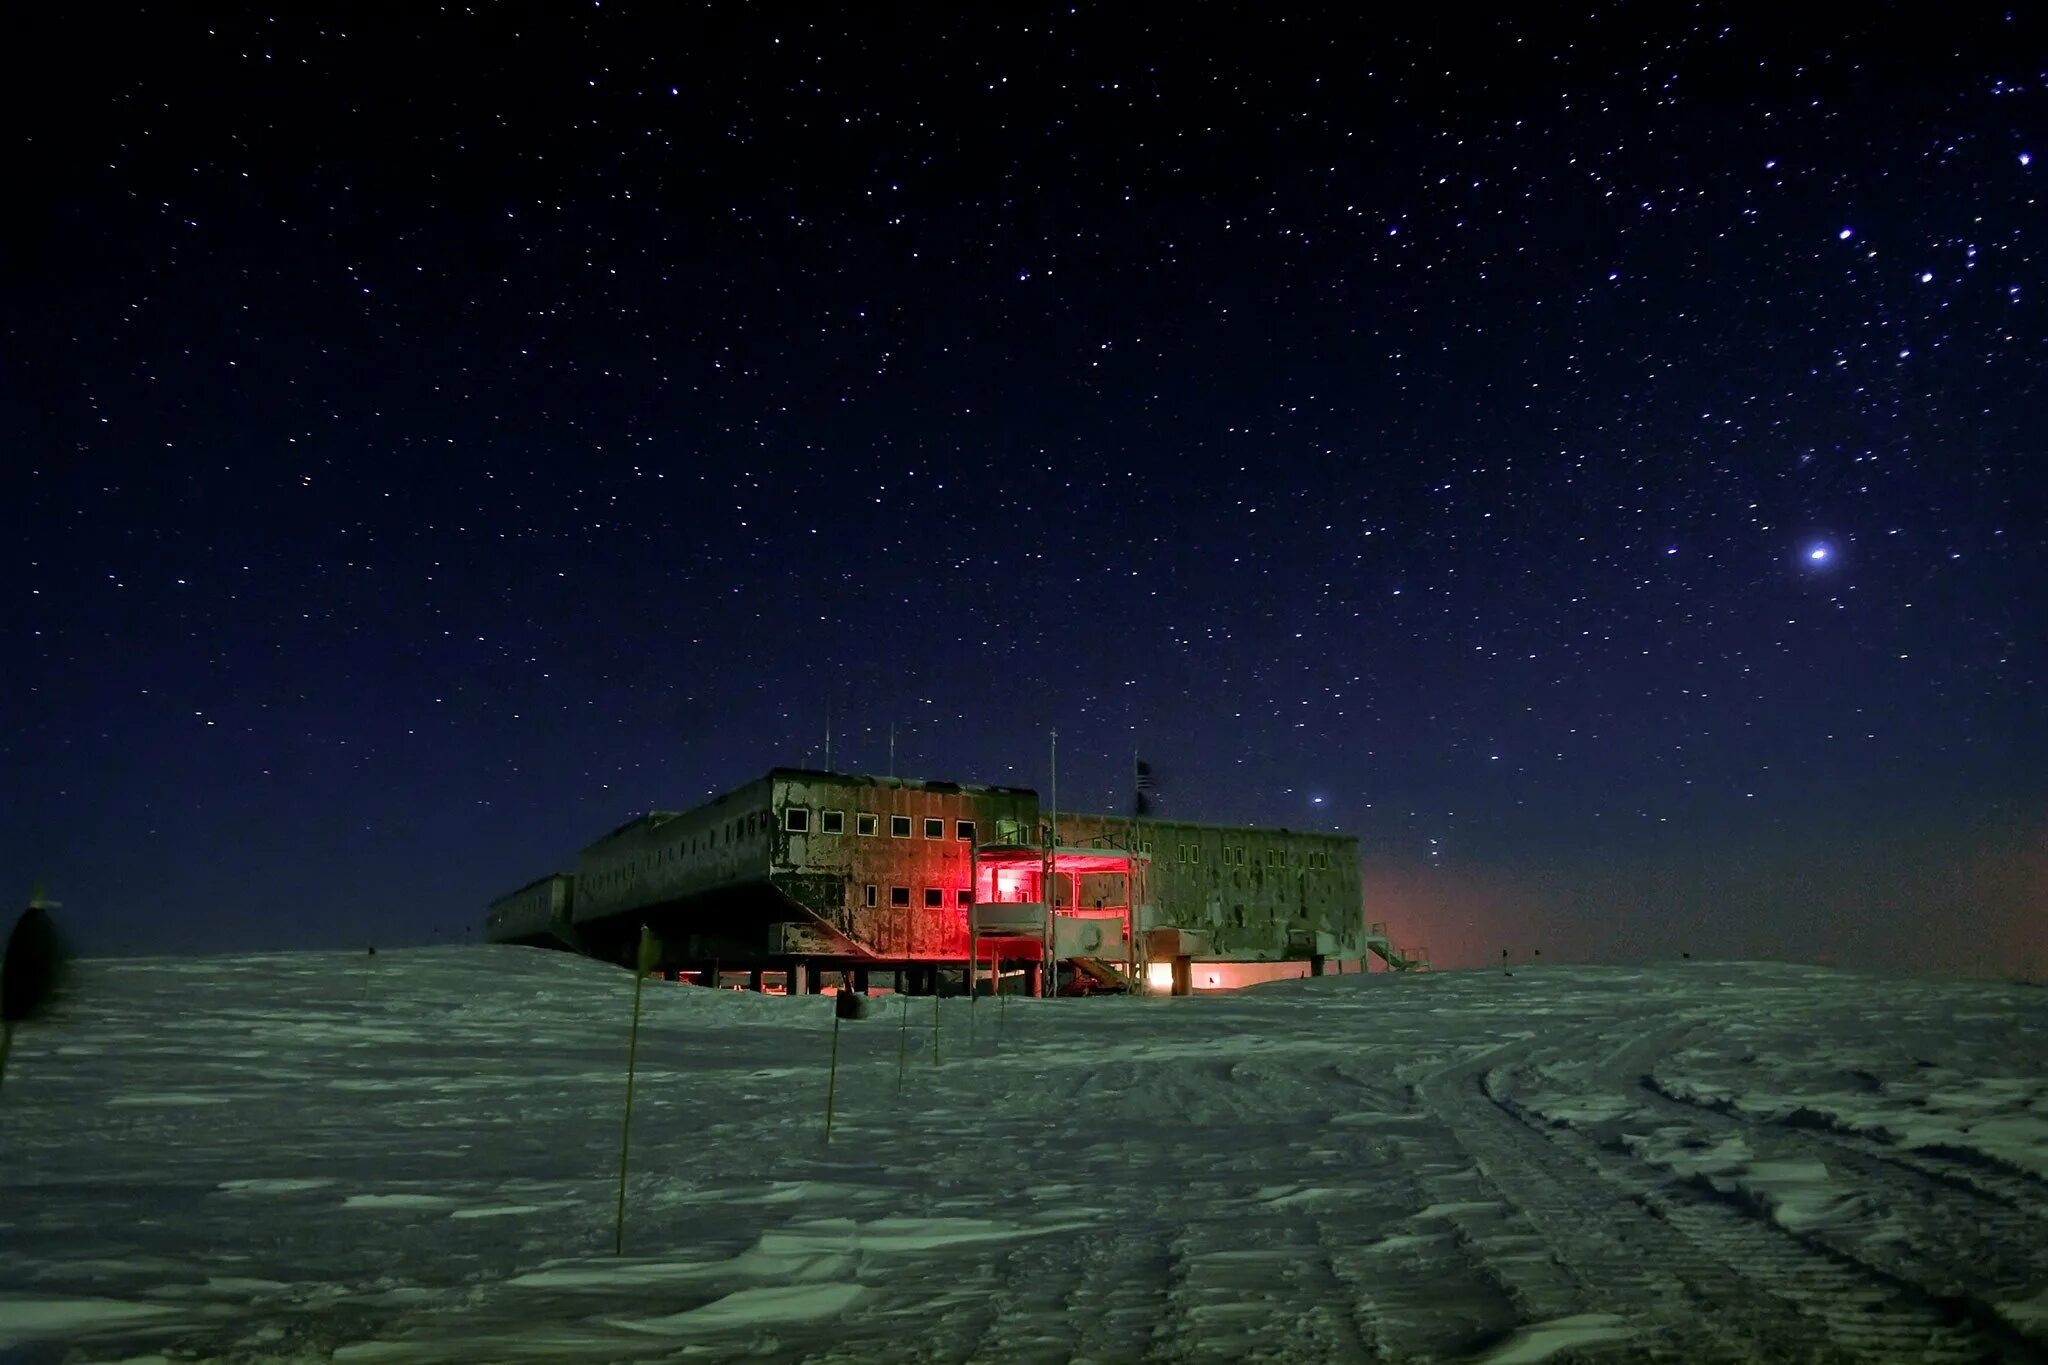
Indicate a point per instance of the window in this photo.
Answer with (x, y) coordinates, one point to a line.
(964, 829)
(1180, 853)
(899, 827)
(933, 897)
(1272, 857)
(1146, 848)
(832, 822)
(873, 892)
(797, 819)
(934, 827)
(1194, 853)
(864, 824)
(963, 897)
(899, 895)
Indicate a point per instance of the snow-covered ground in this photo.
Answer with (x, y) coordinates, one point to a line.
(411, 1158)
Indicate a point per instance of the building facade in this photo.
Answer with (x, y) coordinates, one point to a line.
(852, 872)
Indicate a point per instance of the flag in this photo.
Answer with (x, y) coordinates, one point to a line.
(1147, 795)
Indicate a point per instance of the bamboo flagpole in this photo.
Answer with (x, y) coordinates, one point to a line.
(643, 962)
(903, 1045)
(832, 1079)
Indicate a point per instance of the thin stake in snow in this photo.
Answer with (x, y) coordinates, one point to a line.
(832, 1074)
(935, 1016)
(903, 1045)
(643, 963)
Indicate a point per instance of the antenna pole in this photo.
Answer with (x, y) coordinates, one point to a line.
(1050, 969)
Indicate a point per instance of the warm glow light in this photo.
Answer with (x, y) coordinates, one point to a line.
(1159, 975)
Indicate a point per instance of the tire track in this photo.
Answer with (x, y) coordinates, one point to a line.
(1698, 1277)
(1961, 1246)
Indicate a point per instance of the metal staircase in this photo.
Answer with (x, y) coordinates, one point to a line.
(1397, 959)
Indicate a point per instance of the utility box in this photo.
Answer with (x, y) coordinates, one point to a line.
(1088, 936)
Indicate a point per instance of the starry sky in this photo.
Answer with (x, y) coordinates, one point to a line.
(1594, 458)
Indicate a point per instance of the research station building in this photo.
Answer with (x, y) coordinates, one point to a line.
(800, 874)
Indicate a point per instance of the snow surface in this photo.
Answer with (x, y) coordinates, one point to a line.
(412, 1158)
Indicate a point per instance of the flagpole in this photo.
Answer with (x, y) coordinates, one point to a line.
(1049, 970)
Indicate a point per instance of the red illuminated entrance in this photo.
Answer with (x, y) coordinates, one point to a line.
(1056, 904)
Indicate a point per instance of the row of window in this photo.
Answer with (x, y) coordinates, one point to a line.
(1236, 855)
(797, 820)
(934, 896)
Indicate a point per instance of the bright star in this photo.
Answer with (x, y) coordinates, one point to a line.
(1818, 554)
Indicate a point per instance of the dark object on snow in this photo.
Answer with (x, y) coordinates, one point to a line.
(28, 978)
(373, 952)
(849, 1004)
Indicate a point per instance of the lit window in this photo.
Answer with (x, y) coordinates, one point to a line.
(899, 895)
(832, 822)
(963, 896)
(899, 827)
(873, 893)
(797, 819)
(934, 827)
(933, 897)
(964, 829)
(864, 824)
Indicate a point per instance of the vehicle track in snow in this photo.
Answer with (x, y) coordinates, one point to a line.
(1960, 1244)
(1957, 1245)
(1699, 1276)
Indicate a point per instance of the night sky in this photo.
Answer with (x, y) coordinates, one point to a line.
(1595, 459)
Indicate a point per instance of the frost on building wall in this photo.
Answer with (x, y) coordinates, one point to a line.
(1261, 895)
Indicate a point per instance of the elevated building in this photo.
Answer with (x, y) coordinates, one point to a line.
(803, 872)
